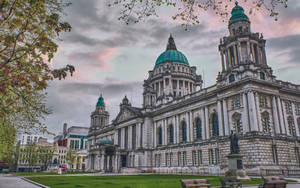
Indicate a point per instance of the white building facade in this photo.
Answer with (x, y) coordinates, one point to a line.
(184, 128)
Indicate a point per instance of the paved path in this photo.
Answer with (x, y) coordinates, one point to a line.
(7, 181)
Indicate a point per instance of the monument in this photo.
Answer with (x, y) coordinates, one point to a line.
(235, 159)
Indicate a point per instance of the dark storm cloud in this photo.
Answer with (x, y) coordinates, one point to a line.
(287, 45)
(74, 37)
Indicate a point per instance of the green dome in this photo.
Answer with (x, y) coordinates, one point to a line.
(173, 56)
(100, 101)
(237, 14)
(104, 141)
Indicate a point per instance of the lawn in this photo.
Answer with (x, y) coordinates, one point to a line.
(47, 173)
(127, 181)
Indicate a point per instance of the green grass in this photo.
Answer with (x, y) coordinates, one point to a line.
(46, 173)
(127, 181)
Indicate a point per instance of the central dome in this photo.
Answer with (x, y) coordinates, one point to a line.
(171, 55)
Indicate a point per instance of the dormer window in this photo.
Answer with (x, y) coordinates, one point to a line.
(231, 78)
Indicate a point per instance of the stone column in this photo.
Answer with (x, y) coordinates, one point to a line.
(174, 129)
(252, 111)
(138, 135)
(129, 137)
(220, 122)
(207, 123)
(226, 60)
(222, 60)
(258, 112)
(285, 119)
(203, 123)
(229, 57)
(295, 119)
(187, 127)
(235, 55)
(248, 49)
(225, 116)
(154, 134)
(281, 120)
(177, 128)
(116, 137)
(166, 131)
(275, 116)
(191, 126)
(123, 138)
(245, 120)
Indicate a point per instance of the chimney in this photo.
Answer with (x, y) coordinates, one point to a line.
(65, 128)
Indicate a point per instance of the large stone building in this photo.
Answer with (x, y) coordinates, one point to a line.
(183, 127)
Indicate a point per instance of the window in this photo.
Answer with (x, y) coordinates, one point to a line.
(262, 76)
(265, 120)
(297, 156)
(200, 160)
(215, 124)
(35, 139)
(274, 153)
(166, 159)
(184, 159)
(236, 118)
(119, 137)
(263, 101)
(217, 155)
(171, 159)
(231, 78)
(76, 144)
(288, 107)
(236, 102)
(198, 129)
(194, 155)
(171, 134)
(211, 156)
(179, 159)
(183, 131)
(298, 109)
(159, 136)
(72, 144)
(292, 129)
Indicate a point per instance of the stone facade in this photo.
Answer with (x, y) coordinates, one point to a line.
(184, 128)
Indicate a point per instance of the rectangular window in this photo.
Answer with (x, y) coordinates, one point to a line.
(263, 101)
(211, 156)
(76, 144)
(297, 156)
(288, 107)
(179, 159)
(72, 144)
(171, 159)
(86, 145)
(274, 153)
(194, 154)
(217, 155)
(200, 160)
(167, 159)
(236, 102)
(184, 159)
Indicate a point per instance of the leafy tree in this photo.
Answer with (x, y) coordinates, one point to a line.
(7, 139)
(70, 157)
(188, 10)
(30, 154)
(29, 30)
(45, 156)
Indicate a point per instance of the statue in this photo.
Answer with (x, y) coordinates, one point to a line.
(234, 146)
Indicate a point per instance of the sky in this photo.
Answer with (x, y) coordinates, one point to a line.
(113, 58)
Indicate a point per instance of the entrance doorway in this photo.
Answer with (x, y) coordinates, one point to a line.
(123, 160)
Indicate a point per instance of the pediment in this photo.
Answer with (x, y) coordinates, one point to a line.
(125, 114)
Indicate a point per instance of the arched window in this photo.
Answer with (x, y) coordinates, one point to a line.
(265, 120)
(171, 134)
(236, 118)
(231, 78)
(183, 131)
(159, 136)
(198, 129)
(291, 126)
(215, 125)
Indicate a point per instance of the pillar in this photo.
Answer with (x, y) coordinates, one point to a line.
(220, 122)
(129, 137)
(154, 134)
(203, 123)
(245, 120)
(188, 137)
(207, 122)
(138, 135)
(123, 138)
(295, 119)
(281, 120)
(252, 112)
(258, 112)
(285, 118)
(191, 126)
(225, 116)
(222, 60)
(275, 116)
(177, 128)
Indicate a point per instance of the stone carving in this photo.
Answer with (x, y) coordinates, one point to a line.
(234, 146)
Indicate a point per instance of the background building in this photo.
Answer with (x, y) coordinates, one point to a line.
(72, 138)
(183, 127)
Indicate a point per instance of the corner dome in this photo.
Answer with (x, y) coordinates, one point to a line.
(171, 54)
(237, 14)
(100, 101)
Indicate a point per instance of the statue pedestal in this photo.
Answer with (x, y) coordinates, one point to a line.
(235, 167)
